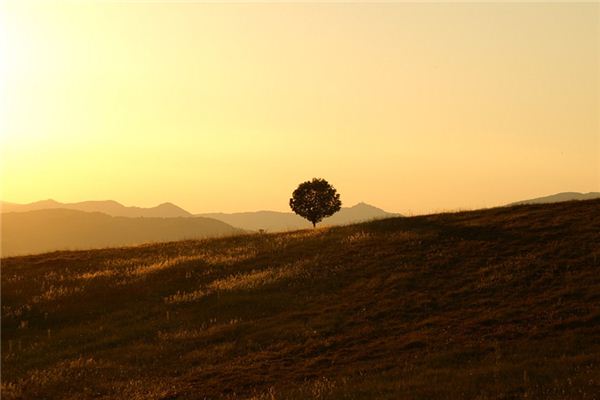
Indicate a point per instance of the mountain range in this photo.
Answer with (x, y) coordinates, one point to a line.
(557, 198)
(41, 231)
(50, 225)
(109, 207)
(267, 220)
(273, 221)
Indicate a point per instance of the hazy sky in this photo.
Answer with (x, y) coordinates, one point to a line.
(227, 107)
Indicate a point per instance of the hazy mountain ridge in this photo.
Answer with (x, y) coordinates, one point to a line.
(56, 229)
(558, 197)
(273, 221)
(109, 207)
(268, 220)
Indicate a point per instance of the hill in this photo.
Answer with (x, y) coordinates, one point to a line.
(273, 221)
(494, 304)
(109, 207)
(556, 198)
(57, 229)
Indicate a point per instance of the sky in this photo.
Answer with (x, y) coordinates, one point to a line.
(411, 107)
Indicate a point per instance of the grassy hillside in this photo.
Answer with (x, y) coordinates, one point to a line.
(495, 304)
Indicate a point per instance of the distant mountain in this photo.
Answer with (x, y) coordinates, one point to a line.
(55, 229)
(273, 221)
(357, 213)
(110, 207)
(556, 198)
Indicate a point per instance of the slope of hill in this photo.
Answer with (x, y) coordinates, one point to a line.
(56, 229)
(556, 198)
(495, 304)
(273, 221)
(109, 207)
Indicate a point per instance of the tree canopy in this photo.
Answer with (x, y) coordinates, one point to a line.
(315, 199)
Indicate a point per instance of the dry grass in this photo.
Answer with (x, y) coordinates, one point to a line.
(495, 304)
(257, 278)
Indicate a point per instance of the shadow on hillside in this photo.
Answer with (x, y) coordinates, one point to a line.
(447, 227)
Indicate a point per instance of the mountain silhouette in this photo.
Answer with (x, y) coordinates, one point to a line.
(55, 229)
(109, 207)
(273, 221)
(556, 198)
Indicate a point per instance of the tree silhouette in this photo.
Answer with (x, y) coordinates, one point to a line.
(315, 200)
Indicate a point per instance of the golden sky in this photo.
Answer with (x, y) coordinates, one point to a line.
(227, 107)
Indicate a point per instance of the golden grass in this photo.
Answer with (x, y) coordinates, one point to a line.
(254, 279)
(186, 297)
(56, 292)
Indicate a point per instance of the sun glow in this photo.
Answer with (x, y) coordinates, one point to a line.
(228, 106)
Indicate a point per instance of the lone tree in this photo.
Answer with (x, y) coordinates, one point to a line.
(315, 200)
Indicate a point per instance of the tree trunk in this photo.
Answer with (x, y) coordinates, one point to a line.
(314, 224)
